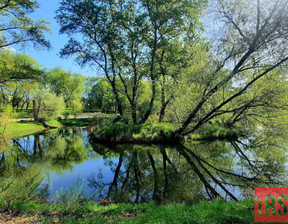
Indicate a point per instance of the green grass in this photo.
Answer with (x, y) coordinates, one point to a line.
(83, 122)
(214, 212)
(24, 113)
(55, 123)
(145, 133)
(22, 128)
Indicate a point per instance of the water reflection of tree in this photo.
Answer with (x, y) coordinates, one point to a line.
(24, 159)
(189, 173)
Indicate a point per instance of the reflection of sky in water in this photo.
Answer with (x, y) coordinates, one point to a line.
(64, 181)
(95, 164)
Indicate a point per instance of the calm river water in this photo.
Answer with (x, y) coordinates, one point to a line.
(65, 163)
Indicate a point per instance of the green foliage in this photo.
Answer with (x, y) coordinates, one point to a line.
(118, 132)
(24, 113)
(76, 107)
(102, 97)
(16, 67)
(82, 122)
(48, 105)
(73, 195)
(135, 133)
(6, 118)
(14, 193)
(155, 132)
(68, 85)
(91, 110)
(126, 44)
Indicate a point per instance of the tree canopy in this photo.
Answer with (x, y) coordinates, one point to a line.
(17, 28)
(123, 38)
(155, 61)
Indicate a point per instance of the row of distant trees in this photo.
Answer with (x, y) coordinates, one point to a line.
(49, 93)
(29, 86)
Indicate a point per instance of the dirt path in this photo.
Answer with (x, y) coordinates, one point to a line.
(8, 219)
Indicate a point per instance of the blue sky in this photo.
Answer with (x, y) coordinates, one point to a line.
(51, 59)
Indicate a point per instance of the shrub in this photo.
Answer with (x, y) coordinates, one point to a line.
(5, 118)
(145, 133)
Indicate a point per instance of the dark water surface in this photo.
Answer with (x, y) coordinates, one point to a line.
(64, 163)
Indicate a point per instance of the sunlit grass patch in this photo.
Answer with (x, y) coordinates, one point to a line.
(213, 212)
(22, 128)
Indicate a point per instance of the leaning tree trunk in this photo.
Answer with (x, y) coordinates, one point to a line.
(153, 77)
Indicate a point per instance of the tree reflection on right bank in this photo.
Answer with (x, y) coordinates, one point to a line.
(192, 172)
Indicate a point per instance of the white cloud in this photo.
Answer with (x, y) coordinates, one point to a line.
(9, 48)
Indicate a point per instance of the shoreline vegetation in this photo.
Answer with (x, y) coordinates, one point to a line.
(167, 72)
(103, 130)
(19, 128)
(158, 133)
(88, 211)
(217, 211)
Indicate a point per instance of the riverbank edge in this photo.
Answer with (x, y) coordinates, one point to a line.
(123, 133)
(217, 211)
(22, 128)
(158, 133)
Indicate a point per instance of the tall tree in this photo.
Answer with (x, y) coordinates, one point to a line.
(90, 19)
(123, 37)
(168, 21)
(254, 41)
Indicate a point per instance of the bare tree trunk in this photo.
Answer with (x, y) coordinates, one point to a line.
(117, 98)
(36, 110)
(153, 77)
(27, 105)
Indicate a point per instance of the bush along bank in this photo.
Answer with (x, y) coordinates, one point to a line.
(125, 133)
(157, 133)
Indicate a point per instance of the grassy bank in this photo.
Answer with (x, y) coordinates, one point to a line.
(89, 212)
(121, 133)
(21, 128)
